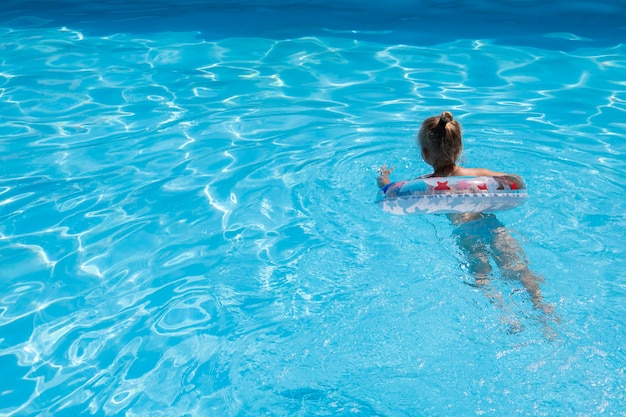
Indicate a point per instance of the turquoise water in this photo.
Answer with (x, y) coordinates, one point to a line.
(188, 227)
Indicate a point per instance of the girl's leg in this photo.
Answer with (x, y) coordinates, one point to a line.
(510, 258)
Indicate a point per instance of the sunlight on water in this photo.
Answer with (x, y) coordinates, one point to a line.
(187, 227)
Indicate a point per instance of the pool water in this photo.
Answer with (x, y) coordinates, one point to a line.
(187, 217)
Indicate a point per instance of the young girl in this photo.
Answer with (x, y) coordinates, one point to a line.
(480, 235)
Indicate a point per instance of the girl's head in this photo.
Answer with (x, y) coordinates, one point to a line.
(440, 141)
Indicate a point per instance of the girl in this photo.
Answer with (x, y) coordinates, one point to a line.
(480, 235)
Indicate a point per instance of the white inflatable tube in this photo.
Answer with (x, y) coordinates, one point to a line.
(433, 195)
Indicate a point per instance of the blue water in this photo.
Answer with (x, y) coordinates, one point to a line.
(187, 224)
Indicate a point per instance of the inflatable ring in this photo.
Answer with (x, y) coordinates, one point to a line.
(433, 195)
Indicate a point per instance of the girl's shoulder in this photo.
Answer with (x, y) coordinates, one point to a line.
(478, 172)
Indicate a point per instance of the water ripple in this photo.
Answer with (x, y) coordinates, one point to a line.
(187, 226)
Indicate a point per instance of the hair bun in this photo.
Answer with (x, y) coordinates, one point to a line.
(445, 118)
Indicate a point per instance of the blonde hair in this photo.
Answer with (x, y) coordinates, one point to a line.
(442, 136)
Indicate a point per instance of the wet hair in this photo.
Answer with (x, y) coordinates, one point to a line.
(441, 135)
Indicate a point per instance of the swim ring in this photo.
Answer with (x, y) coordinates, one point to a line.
(433, 195)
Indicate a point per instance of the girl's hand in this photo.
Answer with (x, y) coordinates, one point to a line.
(383, 177)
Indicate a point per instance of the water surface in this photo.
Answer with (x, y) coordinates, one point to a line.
(187, 223)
